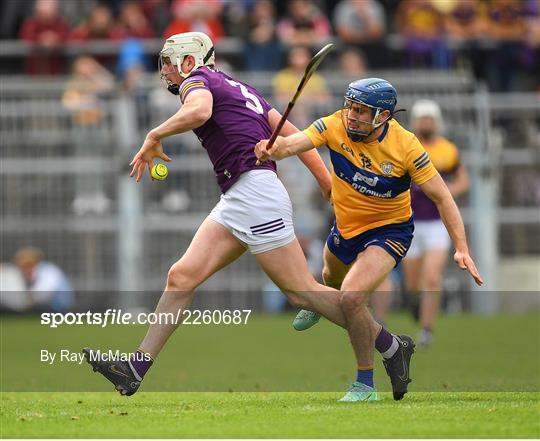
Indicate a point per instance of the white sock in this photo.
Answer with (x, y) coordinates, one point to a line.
(389, 353)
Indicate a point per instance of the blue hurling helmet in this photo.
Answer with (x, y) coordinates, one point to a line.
(376, 93)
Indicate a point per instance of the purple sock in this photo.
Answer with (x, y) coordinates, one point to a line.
(383, 341)
(140, 362)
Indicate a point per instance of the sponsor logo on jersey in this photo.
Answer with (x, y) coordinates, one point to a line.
(360, 188)
(369, 181)
(346, 148)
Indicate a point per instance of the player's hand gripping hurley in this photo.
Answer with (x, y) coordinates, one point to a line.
(310, 69)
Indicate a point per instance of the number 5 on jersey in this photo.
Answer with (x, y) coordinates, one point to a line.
(252, 102)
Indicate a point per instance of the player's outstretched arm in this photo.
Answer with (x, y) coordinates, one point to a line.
(438, 192)
(283, 147)
(195, 111)
(311, 158)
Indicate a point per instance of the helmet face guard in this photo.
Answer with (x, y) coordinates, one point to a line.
(357, 135)
(165, 59)
(375, 93)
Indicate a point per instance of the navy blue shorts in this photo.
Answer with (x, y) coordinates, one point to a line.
(394, 238)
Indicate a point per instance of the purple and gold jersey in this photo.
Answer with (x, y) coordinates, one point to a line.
(445, 158)
(239, 120)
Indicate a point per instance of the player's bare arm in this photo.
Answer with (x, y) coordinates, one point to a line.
(195, 111)
(438, 192)
(283, 147)
(311, 158)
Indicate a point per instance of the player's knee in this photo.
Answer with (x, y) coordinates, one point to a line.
(329, 279)
(351, 301)
(433, 283)
(179, 278)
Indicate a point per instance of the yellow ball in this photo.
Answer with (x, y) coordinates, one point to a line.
(160, 172)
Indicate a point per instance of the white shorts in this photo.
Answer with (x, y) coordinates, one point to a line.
(428, 235)
(257, 210)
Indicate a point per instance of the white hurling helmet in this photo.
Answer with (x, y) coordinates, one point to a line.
(178, 46)
(422, 108)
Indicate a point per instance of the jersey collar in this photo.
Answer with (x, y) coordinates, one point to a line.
(384, 132)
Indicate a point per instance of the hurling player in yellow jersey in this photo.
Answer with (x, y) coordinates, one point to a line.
(374, 161)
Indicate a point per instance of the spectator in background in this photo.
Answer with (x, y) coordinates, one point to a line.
(263, 49)
(465, 25)
(98, 26)
(304, 25)
(352, 62)
(131, 64)
(89, 80)
(196, 16)
(47, 287)
(133, 26)
(362, 24)
(235, 18)
(286, 82)
(46, 30)
(422, 26)
(465, 20)
(532, 50)
(75, 11)
(157, 14)
(506, 25)
(132, 22)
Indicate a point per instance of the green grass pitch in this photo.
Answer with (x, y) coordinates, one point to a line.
(481, 379)
(268, 415)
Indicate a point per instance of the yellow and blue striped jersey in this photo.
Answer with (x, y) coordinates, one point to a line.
(371, 181)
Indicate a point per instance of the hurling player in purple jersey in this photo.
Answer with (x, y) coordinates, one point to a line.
(424, 264)
(254, 212)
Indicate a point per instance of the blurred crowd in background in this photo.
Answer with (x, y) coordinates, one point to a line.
(499, 40)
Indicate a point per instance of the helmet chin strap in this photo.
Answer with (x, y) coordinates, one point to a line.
(171, 87)
(357, 135)
(174, 89)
